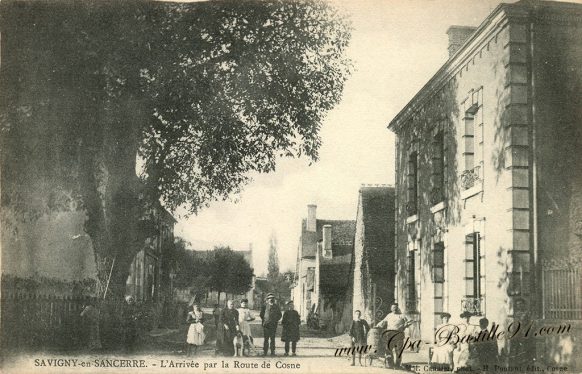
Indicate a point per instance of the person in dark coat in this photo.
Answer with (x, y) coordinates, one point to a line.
(270, 315)
(485, 350)
(290, 323)
(359, 333)
(129, 316)
(229, 321)
(216, 312)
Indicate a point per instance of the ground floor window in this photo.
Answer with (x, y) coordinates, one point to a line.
(473, 274)
(438, 278)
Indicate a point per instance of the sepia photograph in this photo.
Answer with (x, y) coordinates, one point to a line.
(291, 186)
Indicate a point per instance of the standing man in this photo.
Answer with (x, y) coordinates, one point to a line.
(270, 315)
(396, 323)
(229, 320)
(290, 322)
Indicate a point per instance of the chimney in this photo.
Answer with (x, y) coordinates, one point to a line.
(457, 37)
(327, 241)
(311, 218)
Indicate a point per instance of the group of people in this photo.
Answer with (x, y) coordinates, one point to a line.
(463, 354)
(394, 321)
(445, 354)
(232, 322)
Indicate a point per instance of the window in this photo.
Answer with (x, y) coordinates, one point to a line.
(412, 205)
(438, 265)
(413, 278)
(438, 278)
(411, 286)
(472, 139)
(473, 274)
(438, 169)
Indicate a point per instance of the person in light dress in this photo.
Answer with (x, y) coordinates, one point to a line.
(442, 352)
(196, 335)
(245, 316)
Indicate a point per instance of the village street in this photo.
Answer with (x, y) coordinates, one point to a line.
(164, 350)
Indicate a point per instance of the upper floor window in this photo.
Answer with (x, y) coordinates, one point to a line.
(438, 168)
(472, 140)
(412, 183)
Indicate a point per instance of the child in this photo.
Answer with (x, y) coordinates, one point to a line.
(196, 333)
(358, 332)
(290, 323)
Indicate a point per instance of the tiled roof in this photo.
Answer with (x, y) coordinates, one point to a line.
(342, 237)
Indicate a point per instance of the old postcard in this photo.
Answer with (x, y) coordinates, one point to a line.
(295, 186)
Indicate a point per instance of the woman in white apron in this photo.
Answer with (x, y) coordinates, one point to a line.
(442, 351)
(461, 354)
(196, 333)
(244, 317)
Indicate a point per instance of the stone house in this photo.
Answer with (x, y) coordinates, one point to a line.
(149, 274)
(372, 291)
(323, 268)
(489, 178)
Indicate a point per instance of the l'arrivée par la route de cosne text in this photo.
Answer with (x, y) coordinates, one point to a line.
(163, 363)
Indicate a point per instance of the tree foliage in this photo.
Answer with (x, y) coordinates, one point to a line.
(229, 271)
(221, 270)
(203, 92)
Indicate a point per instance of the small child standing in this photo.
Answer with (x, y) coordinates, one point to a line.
(290, 323)
(359, 333)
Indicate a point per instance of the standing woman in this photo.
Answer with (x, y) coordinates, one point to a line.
(290, 323)
(244, 317)
(229, 320)
(196, 333)
(442, 351)
(461, 354)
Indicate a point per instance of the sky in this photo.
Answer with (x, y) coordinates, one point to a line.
(396, 47)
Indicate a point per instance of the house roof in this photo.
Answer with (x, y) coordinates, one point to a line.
(342, 237)
(523, 9)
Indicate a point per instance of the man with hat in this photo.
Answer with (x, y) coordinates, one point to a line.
(270, 315)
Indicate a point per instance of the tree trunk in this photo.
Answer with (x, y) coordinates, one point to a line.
(111, 194)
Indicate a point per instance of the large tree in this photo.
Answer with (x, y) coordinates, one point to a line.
(201, 93)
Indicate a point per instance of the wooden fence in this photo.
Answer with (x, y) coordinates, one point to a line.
(562, 294)
(35, 321)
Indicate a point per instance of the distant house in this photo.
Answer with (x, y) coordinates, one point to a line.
(149, 273)
(323, 267)
(373, 267)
